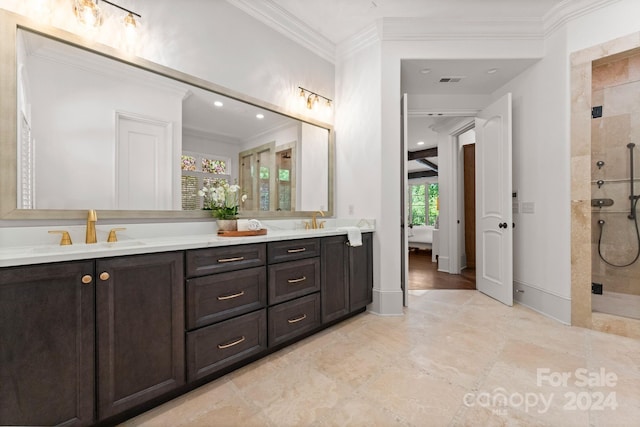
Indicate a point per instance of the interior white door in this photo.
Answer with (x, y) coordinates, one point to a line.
(144, 164)
(404, 222)
(494, 220)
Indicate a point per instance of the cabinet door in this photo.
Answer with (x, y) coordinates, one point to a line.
(47, 344)
(361, 273)
(334, 278)
(140, 329)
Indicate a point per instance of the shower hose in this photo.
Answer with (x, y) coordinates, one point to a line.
(635, 219)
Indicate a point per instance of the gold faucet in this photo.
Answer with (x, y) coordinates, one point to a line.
(92, 217)
(314, 221)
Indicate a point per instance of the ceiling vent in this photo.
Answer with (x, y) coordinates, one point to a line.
(451, 79)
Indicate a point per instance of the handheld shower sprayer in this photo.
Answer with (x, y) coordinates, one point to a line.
(633, 200)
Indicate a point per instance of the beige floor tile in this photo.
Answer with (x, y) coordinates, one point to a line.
(452, 359)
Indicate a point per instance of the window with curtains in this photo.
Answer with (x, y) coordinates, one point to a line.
(200, 170)
(423, 200)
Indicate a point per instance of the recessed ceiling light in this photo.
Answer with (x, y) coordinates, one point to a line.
(420, 143)
(425, 70)
(260, 116)
(218, 104)
(492, 71)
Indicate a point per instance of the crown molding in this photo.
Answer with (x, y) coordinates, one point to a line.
(426, 29)
(569, 10)
(364, 38)
(417, 29)
(287, 24)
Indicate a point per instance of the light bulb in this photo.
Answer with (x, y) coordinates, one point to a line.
(130, 27)
(88, 13)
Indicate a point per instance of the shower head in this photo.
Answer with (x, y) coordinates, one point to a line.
(631, 145)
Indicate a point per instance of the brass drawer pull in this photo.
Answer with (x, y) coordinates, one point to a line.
(304, 316)
(104, 276)
(226, 297)
(231, 344)
(239, 258)
(86, 279)
(295, 251)
(302, 279)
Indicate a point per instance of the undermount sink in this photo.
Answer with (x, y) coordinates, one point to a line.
(54, 249)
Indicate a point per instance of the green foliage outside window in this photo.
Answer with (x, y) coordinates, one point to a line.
(424, 204)
(264, 172)
(283, 175)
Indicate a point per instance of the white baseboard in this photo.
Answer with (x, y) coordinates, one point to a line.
(542, 301)
(387, 303)
(443, 263)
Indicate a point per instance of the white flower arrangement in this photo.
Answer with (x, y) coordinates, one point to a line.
(222, 199)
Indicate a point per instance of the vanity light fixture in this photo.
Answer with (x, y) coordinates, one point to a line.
(312, 99)
(89, 13)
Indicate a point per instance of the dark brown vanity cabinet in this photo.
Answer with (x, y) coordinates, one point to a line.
(361, 273)
(226, 307)
(94, 341)
(140, 329)
(47, 344)
(347, 276)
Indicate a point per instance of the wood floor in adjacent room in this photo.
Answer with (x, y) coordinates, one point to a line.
(424, 274)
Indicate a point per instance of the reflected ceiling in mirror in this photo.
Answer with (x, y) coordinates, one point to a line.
(99, 133)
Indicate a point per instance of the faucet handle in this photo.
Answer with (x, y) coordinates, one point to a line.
(321, 224)
(112, 234)
(65, 240)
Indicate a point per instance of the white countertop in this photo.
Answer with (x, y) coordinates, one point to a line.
(137, 241)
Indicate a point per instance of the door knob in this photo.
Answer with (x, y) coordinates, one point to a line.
(503, 225)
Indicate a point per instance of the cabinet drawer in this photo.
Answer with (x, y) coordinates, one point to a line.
(289, 250)
(214, 347)
(218, 297)
(293, 279)
(293, 318)
(201, 262)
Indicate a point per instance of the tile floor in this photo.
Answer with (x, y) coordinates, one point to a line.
(452, 360)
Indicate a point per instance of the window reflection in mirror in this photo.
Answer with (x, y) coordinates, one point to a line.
(96, 133)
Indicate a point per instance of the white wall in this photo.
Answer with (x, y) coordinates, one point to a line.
(359, 154)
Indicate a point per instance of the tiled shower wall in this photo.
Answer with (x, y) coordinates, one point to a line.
(615, 87)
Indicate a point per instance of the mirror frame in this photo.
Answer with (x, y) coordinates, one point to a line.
(9, 25)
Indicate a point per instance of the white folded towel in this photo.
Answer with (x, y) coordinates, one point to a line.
(353, 235)
(254, 225)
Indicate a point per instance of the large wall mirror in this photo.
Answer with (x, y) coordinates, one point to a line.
(87, 129)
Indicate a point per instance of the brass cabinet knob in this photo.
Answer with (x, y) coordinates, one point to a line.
(104, 276)
(86, 279)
